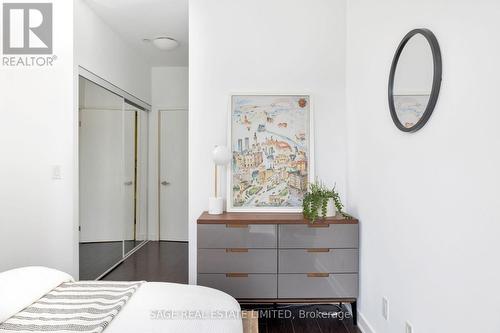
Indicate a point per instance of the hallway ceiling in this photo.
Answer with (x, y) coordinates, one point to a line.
(135, 20)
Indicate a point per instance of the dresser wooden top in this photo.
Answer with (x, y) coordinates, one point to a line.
(268, 218)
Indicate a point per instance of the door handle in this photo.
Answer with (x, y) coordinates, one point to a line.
(128, 183)
(165, 183)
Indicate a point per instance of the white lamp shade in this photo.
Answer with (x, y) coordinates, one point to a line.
(221, 155)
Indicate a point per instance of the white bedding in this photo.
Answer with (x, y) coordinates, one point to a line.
(155, 307)
(21, 287)
(149, 309)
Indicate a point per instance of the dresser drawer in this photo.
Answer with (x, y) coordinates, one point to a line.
(237, 260)
(216, 236)
(305, 236)
(318, 260)
(242, 286)
(330, 286)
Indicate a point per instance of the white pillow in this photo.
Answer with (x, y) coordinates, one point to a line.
(21, 287)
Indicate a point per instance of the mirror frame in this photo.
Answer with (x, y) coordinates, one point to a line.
(436, 80)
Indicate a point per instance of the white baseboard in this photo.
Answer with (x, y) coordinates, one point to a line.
(174, 240)
(364, 325)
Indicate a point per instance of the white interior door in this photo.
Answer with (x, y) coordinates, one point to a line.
(174, 175)
(101, 176)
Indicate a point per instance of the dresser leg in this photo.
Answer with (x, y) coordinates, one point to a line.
(354, 313)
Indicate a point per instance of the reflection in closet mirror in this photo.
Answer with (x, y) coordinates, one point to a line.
(112, 178)
(135, 147)
(415, 80)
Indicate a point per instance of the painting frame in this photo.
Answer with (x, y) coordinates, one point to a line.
(230, 207)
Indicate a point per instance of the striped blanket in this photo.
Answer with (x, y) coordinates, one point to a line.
(87, 306)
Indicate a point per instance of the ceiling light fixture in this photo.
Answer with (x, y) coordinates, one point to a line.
(164, 43)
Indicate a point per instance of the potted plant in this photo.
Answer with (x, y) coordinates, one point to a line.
(321, 202)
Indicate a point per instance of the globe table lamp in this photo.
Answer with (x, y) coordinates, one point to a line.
(221, 156)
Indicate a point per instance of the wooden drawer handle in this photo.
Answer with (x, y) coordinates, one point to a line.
(318, 225)
(236, 275)
(234, 225)
(237, 250)
(318, 250)
(314, 275)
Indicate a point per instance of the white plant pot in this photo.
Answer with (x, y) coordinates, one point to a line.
(331, 210)
(215, 205)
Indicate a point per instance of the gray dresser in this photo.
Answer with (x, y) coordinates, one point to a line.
(279, 257)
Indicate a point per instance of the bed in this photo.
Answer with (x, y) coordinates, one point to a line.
(43, 299)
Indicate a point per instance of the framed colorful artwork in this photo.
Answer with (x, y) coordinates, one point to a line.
(271, 140)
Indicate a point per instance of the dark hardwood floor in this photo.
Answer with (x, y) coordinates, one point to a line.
(322, 318)
(168, 262)
(98, 257)
(156, 261)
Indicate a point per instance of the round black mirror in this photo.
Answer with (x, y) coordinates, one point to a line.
(415, 80)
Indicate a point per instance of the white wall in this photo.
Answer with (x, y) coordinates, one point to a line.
(37, 128)
(103, 52)
(279, 46)
(169, 90)
(427, 202)
(170, 87)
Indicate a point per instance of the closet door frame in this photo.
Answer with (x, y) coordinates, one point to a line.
(141, 160)
(114, 89)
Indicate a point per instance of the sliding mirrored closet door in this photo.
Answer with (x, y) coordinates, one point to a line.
(112, 178)
(135, 125)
